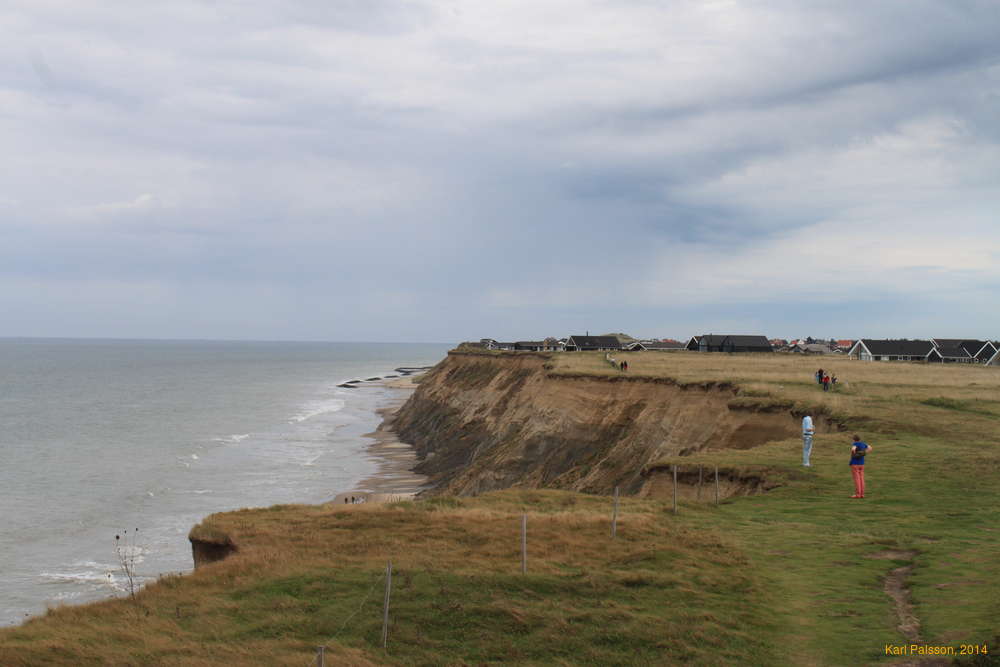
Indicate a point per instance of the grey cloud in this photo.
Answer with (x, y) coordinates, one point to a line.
(419, 154)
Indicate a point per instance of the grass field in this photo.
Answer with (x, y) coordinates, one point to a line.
(794, 576)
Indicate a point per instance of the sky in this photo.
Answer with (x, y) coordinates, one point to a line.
(411, 170)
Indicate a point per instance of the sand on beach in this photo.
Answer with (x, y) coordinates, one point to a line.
(394, 481)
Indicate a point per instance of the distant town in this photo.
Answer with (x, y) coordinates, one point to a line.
(934, 350)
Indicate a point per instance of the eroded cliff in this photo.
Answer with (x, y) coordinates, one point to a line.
(482, 422)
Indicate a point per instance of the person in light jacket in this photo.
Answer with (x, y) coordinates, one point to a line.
(807, 439)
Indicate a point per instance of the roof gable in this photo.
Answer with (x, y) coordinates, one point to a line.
(951, 352)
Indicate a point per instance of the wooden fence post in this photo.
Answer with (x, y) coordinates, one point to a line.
(675, 487)
(385, 605)
(524, 544)
(614, 516)
(700, 469)
(319, 656)
(716, 485)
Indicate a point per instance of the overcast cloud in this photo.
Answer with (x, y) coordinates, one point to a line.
(435, 171)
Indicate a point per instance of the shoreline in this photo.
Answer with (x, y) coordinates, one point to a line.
(391, 481)
(394, 479)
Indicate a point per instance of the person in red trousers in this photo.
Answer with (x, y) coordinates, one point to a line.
(858, 451)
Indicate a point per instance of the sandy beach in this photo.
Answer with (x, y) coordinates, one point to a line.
(394, 480)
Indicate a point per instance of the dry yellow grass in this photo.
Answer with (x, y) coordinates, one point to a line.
(887, 396)
(301, 571)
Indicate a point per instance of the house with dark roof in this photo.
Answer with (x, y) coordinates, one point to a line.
(872, 349)
(635, 346)
(995, 359)
(986, 352)
(585, 343)
(733, 343)
(692, 344)
(663, 345)
(552, 344)
(950, 354)
(813, 348)
(979, 351)
(529, 345)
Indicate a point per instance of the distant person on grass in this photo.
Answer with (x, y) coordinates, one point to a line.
(826, 383)
(807, 439)
(819, 376)
(858, 451)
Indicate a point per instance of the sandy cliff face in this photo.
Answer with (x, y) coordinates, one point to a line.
(484, 422)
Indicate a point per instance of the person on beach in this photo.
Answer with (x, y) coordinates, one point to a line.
(826, 383)
(807, 439)
(858, 451)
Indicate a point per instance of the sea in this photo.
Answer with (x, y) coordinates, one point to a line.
(143, 439)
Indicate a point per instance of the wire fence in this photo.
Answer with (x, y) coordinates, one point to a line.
(707, 476)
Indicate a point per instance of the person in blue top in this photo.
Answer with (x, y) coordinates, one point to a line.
(858, 451)
(807, 439)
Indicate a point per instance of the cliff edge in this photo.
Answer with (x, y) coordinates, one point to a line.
(481, 422)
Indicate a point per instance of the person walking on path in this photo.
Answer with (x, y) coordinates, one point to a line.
(826, 383)
(807, 439)
(858, 451)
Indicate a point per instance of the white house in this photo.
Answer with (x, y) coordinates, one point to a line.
(871, 349)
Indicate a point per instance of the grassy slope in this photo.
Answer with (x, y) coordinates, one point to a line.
(811, 543)
(781, 578)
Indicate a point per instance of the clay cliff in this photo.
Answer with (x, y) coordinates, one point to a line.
(484, 421)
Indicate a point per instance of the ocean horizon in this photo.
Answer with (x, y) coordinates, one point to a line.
(104, 435)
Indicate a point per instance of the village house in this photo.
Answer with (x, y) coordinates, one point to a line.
(950, 354)
(813, 348)
(551, 344)
(979, 351)
(584, 343)
(665, 345)
(871, 349)
(731, 343)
